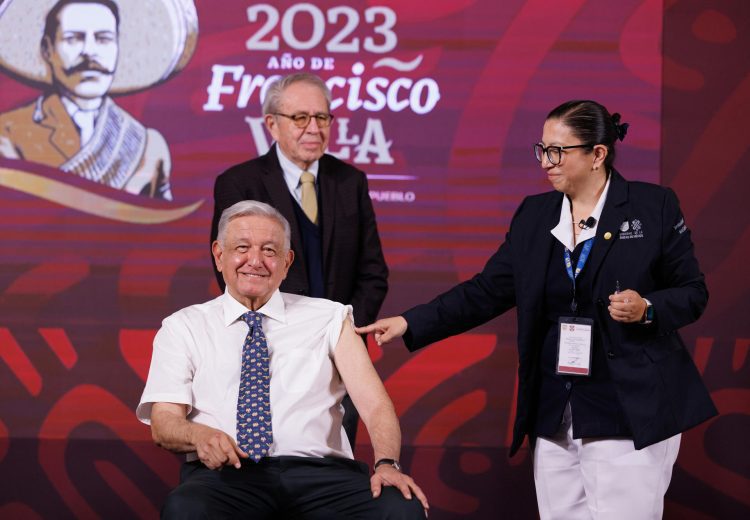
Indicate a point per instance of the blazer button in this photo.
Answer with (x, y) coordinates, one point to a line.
(600, 302)
(610, 354)
(568, 385)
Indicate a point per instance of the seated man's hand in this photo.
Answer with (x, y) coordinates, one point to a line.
(386, 475)
(215, 448)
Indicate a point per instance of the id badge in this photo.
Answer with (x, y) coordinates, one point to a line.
(574, 346)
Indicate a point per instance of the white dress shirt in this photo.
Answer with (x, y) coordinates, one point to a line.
(197, 360)
(292, 174)
(85, 120)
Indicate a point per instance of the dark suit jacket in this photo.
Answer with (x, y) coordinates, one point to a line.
(353, 265)
(656, 381)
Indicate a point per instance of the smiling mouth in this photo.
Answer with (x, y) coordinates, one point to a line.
(255, 275)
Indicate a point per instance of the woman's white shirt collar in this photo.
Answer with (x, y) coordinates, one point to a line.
(563, 231)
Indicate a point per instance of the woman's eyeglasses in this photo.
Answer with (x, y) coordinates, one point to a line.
(554, 153)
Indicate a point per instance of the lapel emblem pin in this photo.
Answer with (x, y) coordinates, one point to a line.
(607, 235)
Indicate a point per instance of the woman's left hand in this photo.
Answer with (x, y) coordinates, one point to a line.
(626, 306)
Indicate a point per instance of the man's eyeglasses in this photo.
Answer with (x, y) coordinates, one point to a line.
(554, 153)
(302, 120)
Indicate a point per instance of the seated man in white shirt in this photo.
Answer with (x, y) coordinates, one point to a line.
(274, 379)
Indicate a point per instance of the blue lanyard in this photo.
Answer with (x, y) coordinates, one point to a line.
(581, 260)
(579, 267)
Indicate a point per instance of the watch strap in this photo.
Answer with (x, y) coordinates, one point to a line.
(648, 315)
(390, 462)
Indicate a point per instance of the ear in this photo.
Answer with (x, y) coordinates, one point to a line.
(46, 44)
(288, 262)
(272, 125)
(217, 251)
(600, 154)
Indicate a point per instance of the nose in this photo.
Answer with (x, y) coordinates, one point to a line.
(312, 126)
(253, 257)
(546, 164)
(89, 45)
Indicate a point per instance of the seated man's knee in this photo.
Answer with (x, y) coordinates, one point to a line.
(184, 502)
(394, 506)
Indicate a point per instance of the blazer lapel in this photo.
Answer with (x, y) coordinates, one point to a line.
(540, 248)
(327, 183)
(63, 134)
(281, 199)
(613, 214)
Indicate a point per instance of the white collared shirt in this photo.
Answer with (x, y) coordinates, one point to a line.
(292, 174)
(85, 120)
(197, 361)
(563, 231)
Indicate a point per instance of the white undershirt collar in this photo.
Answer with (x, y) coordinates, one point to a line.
(563, 231)
(272, 309)
(85, 120)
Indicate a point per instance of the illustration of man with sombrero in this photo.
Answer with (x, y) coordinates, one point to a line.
(90, 50)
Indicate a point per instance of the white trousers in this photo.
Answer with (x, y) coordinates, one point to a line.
(601, 479)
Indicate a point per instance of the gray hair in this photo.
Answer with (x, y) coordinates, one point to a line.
(253, 208)
(276, 89)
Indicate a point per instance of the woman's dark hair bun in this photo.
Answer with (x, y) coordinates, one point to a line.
(620, 128)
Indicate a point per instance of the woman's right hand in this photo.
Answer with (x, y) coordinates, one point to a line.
(385, 329)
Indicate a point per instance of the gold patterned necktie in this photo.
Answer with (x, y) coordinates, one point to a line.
(254, 432)
(309, 197)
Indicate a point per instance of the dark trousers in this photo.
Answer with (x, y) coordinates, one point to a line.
(285, 488)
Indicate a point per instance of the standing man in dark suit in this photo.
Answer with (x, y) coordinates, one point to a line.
(326, 201)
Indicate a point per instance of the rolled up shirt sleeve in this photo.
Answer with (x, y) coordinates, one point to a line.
(171, 372)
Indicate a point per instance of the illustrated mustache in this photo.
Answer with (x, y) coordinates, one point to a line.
(87, 65)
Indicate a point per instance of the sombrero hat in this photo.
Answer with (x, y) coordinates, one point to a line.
(156, 40)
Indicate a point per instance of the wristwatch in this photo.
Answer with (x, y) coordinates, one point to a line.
(390, 462)
(648, 316)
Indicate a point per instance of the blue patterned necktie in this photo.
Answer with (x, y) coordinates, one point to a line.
(254, 434)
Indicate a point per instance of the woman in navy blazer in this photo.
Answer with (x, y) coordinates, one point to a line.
(612, 258)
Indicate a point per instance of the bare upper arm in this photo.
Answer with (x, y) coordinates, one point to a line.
(360, 378)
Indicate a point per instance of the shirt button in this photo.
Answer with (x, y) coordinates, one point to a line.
(610, 354)
(568, 385)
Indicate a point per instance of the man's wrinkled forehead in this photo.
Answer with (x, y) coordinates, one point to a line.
(268, 229)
